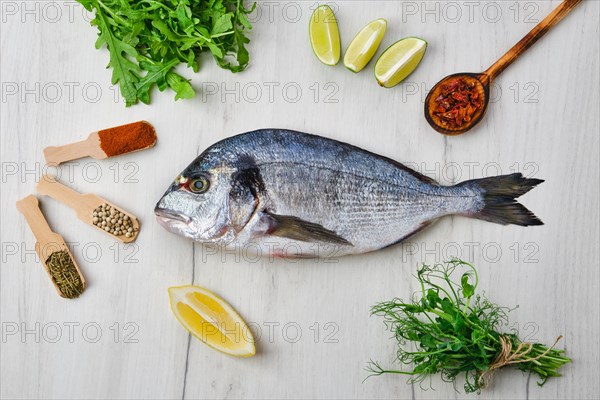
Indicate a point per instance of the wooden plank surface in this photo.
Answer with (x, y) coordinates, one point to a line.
(120, 340)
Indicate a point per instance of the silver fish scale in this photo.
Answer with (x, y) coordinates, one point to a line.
(366, 199)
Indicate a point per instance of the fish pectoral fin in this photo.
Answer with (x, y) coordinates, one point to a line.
(297, 229)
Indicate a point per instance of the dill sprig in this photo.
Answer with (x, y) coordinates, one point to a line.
(456, 332)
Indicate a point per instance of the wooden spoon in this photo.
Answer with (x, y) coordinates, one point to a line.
(47, 242)
(483, 80)
(137, 133)
(84, 205)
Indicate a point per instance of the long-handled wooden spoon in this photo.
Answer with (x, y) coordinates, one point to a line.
(47, 243)
(481, 81)
(85, 205)
(122, 139)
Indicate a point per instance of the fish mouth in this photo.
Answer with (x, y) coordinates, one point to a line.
(165, 216)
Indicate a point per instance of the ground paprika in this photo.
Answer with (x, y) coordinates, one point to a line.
(126, 138)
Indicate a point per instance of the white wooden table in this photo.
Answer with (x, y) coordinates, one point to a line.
(315, 335)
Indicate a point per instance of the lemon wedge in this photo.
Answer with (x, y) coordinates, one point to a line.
(364, 45)
(399, 60)
(209, 318)
(324, 35)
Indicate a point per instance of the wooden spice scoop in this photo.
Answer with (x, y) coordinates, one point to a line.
(105, 143)
(484, 79)
(84, 205)
(47, 241)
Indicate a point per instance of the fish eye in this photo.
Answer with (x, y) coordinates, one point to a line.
(199, 185)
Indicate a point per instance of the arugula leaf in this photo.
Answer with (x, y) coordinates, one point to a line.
(147, 40)
(157, 75)
(125, 71)
(222, 24)
(181, 86)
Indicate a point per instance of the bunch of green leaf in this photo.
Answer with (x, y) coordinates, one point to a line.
(147, 39)
(455, 332)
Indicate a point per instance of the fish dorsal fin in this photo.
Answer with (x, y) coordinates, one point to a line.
(411, 171)
(297, 229)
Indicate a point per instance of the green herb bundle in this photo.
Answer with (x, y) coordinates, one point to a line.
(147, 39)
(456, 332)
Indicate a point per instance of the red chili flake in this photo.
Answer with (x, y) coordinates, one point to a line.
(457, 102)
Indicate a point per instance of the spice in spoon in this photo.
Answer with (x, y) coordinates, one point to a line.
(65, 274)
(458, 101)
(127, 138)
(113, 221)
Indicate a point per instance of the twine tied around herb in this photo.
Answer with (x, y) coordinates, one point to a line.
(507, 357)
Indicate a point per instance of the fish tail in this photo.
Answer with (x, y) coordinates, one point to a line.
(498, 202)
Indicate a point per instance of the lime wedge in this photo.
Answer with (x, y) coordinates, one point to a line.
(399, 60)
(364, 45)
(324, 35)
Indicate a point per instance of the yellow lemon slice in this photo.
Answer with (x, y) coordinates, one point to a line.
(364, 45)
(399, 60)
(324, 35)
(209, 318)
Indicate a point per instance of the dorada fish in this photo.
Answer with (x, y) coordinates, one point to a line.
(288, 193)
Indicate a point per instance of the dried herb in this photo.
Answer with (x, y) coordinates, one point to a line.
(458, 100)
(456, 332)
(65, 274)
